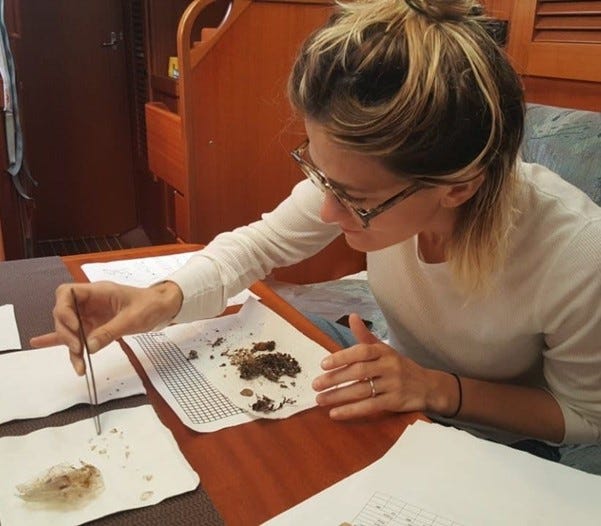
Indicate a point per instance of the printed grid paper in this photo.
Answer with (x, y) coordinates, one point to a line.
(206, 392)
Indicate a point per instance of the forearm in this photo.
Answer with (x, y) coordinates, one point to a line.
(235, 260)
(526, 411)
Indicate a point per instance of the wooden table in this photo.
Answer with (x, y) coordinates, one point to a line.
(256, 470)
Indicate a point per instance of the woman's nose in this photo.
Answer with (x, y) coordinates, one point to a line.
(332, 210)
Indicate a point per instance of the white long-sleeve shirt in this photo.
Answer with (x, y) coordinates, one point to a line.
(540, 325)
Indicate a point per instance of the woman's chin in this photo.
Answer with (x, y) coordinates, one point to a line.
(364, 241)
(357, 240)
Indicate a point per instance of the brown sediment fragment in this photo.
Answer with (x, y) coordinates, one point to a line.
(264, 404)
(218, 342)
(272, 366)
(263, 346)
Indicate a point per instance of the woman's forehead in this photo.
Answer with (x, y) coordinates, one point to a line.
(347, 169)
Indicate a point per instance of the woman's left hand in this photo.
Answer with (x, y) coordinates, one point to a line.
(371, 376)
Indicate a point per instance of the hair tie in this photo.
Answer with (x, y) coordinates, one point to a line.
(460, 392)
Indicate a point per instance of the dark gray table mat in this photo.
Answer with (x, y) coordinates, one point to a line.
(29, 284)
(189, 509)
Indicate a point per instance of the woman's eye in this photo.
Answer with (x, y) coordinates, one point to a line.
(350, 198)
(356, 200)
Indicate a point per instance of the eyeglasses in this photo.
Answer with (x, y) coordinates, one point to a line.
(319, 179)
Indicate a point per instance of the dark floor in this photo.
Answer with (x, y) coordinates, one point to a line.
(67, 246)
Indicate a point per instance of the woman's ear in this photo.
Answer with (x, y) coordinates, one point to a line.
(457, 194)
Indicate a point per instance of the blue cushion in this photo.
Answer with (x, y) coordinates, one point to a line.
(568, 142)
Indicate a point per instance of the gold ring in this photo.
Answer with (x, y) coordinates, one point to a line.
(373, 387)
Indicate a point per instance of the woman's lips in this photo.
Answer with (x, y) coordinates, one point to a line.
(349, 230)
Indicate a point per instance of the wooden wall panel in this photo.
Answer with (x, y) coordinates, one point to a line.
(165, 146)
(563, 92)
(239, 105)
(500, 9)
(566, 74)
(240, 128)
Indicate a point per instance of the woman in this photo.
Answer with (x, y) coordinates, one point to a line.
(486, 269)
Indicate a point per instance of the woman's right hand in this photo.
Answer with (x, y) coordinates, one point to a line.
(108, 312)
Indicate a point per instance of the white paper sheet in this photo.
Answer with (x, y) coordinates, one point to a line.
(437, 475)
(37, 383)
(9, 332)
(136, 454)
(203, 390)
(142, 272)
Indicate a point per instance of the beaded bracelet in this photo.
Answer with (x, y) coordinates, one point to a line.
(456, 376)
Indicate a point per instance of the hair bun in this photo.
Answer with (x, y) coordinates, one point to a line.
(445, 9)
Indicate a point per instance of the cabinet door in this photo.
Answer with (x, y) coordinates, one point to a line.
(72, 68)
(557, 39)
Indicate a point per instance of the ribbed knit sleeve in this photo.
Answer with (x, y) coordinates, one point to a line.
(293, 231)
(568, 306)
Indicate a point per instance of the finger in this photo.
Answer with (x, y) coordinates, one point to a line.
(77, 363)
(45, 340)
(122, 324)
(356, 371)
(348, 393)
(361, 408)
(68, 336)
(101, 337)
(66, 324)
(356, 353)
(360, 330)
(84, 292)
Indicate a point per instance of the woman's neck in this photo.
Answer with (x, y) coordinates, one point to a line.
(432, 247)
(433, 242)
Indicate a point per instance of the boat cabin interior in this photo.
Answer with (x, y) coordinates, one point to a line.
(141, 122)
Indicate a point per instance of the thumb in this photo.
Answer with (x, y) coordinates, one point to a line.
(107, 333)
(360, 331)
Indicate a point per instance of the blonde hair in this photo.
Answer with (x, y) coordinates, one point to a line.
(421, 86)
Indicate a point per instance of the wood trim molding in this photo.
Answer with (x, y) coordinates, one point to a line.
(187, 59)
(564, 93)
(564, 61)
(520, 32)
(2, 254)
(567, 60)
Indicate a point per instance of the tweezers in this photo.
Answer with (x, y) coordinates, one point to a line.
(90, 380)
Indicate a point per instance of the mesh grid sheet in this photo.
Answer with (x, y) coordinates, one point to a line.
(201, 402)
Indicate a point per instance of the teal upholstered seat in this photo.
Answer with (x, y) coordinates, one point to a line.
(568, 142)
